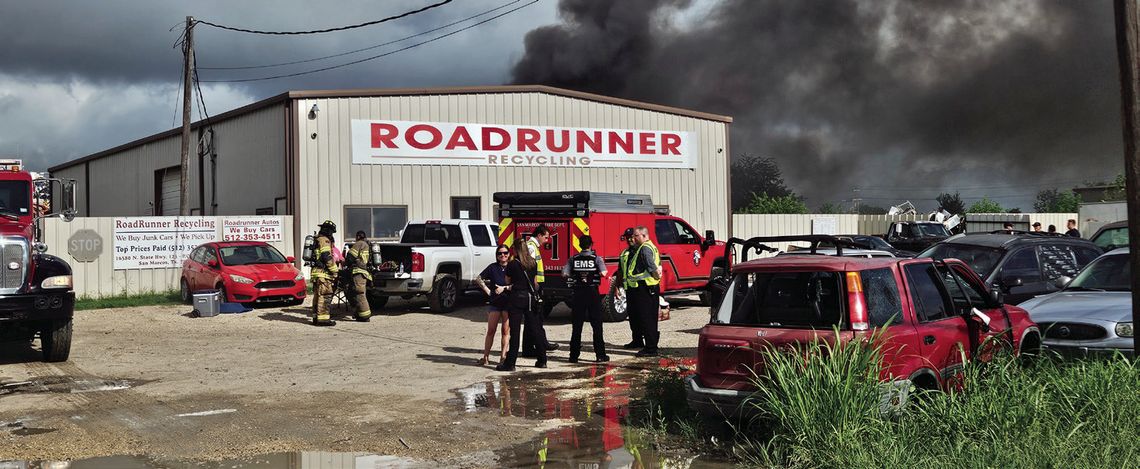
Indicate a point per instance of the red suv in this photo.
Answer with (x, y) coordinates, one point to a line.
(245, 272)
(935, 314)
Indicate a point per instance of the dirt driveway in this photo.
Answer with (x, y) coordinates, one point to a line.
(156, 381)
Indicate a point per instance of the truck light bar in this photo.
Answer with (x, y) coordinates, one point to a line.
(11, 165)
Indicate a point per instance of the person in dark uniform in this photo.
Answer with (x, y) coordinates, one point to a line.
(619, 280)
(642, 281)
(522, 308)
(584, 274)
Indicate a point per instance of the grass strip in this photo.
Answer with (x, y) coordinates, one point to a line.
(127, 301)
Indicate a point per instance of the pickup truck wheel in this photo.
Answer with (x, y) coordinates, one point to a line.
(184, 292)
(375, 302)
(55, 340)
(614, 306)
(444, 292)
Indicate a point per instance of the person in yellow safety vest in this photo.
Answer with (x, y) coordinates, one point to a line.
(322, 273)
(357, 260)
(539, 237)
(619, 283)
(642, 279)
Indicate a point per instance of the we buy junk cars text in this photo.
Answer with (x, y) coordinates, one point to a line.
(446, 143)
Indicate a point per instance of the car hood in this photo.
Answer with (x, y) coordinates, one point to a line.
(1062, 306)
(264, 271)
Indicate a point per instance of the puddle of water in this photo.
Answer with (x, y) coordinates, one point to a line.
(295, 460)
(65, 385)
(586, 409)
(32, 431)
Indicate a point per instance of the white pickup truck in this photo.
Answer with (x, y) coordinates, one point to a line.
(436, 258)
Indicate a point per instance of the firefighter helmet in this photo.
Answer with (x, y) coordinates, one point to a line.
(328, 226)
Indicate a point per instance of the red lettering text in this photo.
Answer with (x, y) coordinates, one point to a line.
(647, 142)
(616, 141)
(410, 137)
(460, 138)
(594, 143)
(669, 144)
(528, 138)
(383, 134)
(504, 139)
(554, 146)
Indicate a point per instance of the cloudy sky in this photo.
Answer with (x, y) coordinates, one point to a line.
(885, 100)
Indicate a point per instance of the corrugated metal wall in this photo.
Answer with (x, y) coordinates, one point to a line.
(100, 279)
(250, 173)
(329, 180)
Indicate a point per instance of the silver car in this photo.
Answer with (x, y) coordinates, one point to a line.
(1092, 315)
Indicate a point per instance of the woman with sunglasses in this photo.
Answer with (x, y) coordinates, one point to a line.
(493, 281)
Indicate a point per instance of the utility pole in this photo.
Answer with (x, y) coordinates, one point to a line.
(187, 92)
(1128, 58)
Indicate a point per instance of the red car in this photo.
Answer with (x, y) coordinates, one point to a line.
(245, 271)
(936, 314)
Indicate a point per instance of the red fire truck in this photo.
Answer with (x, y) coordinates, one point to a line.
(36, 295)
(688, 260)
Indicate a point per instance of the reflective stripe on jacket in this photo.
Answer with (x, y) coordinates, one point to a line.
(633, 278)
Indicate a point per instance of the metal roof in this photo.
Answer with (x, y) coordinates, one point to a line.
(383, 92)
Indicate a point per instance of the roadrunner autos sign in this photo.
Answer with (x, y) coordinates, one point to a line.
(458, 144)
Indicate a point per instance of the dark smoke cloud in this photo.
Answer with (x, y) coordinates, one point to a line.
(898, 98)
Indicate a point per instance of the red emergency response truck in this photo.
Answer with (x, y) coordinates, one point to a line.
(688, 260)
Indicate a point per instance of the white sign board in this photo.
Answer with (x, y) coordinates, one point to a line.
(266, 229)
(825, 226)
(459, 144)
(160, 242)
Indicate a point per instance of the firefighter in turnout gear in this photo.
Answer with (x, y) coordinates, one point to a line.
(540, 236)
(357, 260)
(642, 280)
(323, 272)
(584, 273)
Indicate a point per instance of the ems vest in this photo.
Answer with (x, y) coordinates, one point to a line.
(325, 267)
(357, 258)
(536, 253)
(584, 270)
(634, 276)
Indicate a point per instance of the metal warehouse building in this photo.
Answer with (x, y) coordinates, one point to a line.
(373, 159)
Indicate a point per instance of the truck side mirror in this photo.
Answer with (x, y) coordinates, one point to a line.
(997, 296)
(68, 196)
(710, 239)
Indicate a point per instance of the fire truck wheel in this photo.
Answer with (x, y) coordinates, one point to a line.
(444, 292)
(184, 292)
(614, 307)
(375, 302)
(55, 340)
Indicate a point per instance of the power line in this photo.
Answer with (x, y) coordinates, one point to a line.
(295, 62)
(332, 67)
(329, 30)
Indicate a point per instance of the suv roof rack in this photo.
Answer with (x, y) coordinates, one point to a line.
(758, 243)
(1028, 233)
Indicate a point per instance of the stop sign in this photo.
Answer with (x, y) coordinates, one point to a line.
(85, 245)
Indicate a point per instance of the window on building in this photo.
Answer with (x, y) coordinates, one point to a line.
(381, 222)
(465, 208)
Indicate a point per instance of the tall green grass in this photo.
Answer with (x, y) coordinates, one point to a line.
(821, 408)
(127, 301)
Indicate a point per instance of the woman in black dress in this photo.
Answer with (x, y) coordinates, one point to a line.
(493, 282)
(520, 305)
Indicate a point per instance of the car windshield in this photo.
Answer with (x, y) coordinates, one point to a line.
(251, 254)
(14, 197)
(931, 229)
(784, 299)
(981, 259)
(1112, 238)
(1110, 273)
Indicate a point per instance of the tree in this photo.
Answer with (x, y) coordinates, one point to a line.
(951, 203)
(865, 209)
(985, 206)
(1054, 201)
(755, 175)
(1015, 210)
(766, 204)
(829, 207)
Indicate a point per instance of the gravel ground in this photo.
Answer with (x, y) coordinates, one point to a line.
(157, 381)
